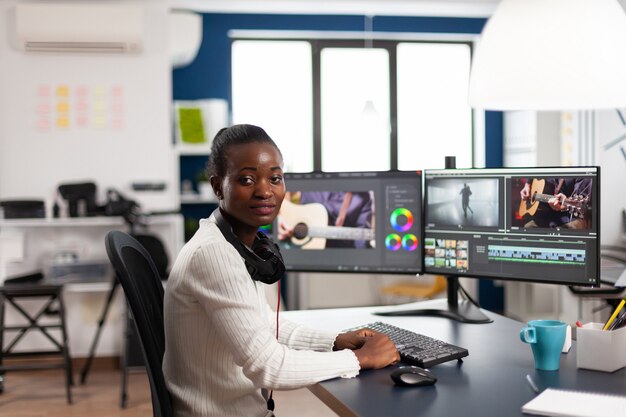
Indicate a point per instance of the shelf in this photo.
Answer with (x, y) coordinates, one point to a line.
(187, 149)
(88, 287)
(197, 199)
(61, 222)
(107, 221)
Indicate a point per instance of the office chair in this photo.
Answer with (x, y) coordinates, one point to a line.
(142, 287)
(155, 247)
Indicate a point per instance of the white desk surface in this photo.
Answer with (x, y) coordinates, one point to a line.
(339, 319)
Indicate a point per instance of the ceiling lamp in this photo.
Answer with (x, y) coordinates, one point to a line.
(551, 55)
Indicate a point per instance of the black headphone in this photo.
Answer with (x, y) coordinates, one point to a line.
(264, 262)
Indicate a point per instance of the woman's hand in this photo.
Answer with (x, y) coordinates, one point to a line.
(373, 350)
(352, 340)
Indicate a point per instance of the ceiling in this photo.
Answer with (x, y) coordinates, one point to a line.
(450, 8)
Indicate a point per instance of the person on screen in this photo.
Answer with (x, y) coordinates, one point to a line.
(224, 345)
(466, 192)
(346, 211)
(567, 205)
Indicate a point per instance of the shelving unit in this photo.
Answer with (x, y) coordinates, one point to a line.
(196, 199)
(214, 113)
(183, 149)
(64, 222)
(193, 207)
(33, 244)
(96, 221)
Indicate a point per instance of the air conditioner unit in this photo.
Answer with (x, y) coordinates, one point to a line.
(69, 27)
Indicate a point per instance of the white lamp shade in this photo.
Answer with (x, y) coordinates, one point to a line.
(551, 55)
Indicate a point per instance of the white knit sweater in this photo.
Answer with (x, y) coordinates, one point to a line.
(221, 346)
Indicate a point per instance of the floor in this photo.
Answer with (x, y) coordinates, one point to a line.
(42, 394)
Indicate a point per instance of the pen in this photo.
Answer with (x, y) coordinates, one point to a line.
(532, 384)
(619, 321)
(614, 315)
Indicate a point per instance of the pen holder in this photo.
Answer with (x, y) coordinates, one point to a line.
(600, 350)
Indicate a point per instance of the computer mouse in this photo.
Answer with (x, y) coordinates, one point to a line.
(412, 376)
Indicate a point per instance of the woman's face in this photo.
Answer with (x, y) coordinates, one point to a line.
(252, 190)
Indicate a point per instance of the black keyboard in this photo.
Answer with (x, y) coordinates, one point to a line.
(417, 349)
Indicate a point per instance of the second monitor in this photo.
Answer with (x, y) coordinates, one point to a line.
(533, 224)
(352, 222)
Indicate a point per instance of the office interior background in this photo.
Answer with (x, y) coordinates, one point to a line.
(316, 77)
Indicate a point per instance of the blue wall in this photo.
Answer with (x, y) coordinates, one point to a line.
(209, 75)
(492, 297)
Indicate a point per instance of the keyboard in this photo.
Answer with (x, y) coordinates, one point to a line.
(417, 349)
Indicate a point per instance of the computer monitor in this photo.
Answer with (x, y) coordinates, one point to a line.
(533, 224)
(365, 222)
(480, 223)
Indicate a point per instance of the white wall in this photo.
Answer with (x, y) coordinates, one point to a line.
(611, 154)
(35, 156)
(119, 128)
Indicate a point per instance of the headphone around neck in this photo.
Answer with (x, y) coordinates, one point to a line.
(264, 262)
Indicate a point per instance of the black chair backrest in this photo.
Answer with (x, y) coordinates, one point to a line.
(142, 286)
(157, 252)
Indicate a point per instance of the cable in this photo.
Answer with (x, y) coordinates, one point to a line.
(270, 400)
(469, 297)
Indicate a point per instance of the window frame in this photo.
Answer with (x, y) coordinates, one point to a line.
(388, 41)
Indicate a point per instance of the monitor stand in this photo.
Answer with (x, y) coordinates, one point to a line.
(464, 311)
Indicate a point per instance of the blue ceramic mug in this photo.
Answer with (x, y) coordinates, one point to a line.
(546, 338)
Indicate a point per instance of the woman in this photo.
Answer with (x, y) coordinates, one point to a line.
(222, 346)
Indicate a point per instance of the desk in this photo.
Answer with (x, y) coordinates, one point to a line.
(490, 382)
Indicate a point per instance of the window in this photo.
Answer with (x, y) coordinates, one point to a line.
(355, 109)
(272, 89)
(335, 105)
(434, 117)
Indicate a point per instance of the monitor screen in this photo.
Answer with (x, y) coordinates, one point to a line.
(351, 222)
(535, 224)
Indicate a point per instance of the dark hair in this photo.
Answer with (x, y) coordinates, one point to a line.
(229, 136)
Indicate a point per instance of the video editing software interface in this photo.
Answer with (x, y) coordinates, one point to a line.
(539, 224)
(352, 222)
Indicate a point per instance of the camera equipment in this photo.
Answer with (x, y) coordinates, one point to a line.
(23, 209)
(118, 205)
(77, 194)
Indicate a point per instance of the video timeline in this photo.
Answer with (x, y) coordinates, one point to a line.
(532, 255)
